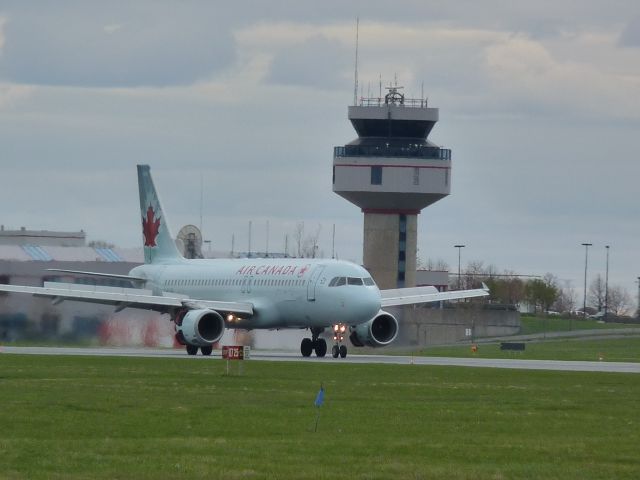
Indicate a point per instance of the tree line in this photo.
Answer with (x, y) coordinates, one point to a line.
(542, 294)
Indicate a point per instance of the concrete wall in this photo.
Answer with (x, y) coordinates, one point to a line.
(380, 251)
(433, 326)
(409, 176)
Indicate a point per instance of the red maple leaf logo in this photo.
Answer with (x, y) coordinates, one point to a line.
(150, 228)
(303, 270)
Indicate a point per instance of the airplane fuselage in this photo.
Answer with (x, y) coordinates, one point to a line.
(285, 292)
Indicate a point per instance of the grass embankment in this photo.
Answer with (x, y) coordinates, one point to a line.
(610, 350)
(532, 325)
(75, 417)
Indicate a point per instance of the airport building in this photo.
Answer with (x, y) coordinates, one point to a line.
(392, 171)
(26, 257)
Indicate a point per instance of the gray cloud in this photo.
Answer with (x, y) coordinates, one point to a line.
(316, 62)
(630, 36)
(85, 45)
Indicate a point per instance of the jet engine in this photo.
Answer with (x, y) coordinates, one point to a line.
(381, 330)
(201, 327)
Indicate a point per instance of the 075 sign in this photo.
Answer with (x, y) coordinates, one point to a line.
(235, 352)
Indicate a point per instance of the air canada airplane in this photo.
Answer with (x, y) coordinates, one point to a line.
(204, 296)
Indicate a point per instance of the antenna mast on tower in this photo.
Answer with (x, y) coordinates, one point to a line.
(355, 84)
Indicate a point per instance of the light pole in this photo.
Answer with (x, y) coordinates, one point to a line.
(606, 287)
(586, 261)
(459, 247)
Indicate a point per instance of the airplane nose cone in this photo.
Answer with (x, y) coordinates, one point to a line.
(367, 305)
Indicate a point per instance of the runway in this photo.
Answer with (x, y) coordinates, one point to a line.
(281, 356)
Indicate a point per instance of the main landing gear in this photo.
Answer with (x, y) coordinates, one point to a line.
(308, 345)
(338, 336)
(193, 350)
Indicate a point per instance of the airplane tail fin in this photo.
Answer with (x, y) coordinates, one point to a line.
(158, 243)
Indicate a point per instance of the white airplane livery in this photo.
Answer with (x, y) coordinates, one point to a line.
(205, 296)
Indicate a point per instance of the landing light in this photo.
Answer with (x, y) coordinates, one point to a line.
(230, 317)
(338, 331)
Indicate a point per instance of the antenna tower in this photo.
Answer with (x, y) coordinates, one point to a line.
(355, 84)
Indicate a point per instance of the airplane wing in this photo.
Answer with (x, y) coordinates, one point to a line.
(409, 296)
(122, 298)
(99, 274)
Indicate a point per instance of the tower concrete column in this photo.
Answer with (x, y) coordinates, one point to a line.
(396, 236)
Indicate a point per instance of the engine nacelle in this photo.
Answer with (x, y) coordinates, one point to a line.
(201, 327)
(381, 330)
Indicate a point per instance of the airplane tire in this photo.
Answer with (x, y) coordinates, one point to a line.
(306, 347)
(321, 347)
(335, 351)
(343, 351)
(192, 349)
(206, 350)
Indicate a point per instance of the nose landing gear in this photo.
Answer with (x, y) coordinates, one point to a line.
(338, 348)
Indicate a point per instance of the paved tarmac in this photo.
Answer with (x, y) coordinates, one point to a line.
(621, 367)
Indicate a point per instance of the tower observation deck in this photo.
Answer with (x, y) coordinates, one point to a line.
(392, 171)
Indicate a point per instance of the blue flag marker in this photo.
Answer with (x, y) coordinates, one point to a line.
(319, 398)
(318, 403)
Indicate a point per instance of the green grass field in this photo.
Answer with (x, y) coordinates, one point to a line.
(531, 324)
(100, 417)
(607, 349)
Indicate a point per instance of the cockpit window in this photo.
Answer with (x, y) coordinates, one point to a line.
(339, 281)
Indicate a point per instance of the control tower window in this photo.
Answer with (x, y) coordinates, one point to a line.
(376, 175)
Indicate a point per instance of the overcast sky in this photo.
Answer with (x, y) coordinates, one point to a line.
(539, 102)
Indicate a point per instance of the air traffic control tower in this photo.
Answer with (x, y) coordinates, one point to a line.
(391, 171)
